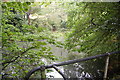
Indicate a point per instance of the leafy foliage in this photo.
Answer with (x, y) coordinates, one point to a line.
(23, 45)
(95, 30)
(49, 15)
(95, 27)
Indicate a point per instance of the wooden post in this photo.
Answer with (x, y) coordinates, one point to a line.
(43, 75)
(106, 68)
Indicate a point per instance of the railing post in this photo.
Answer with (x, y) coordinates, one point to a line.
(43, 75)
(106, 68)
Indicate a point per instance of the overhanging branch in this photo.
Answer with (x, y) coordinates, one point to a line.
(13, 60)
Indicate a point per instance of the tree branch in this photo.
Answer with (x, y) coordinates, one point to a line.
(7, 62)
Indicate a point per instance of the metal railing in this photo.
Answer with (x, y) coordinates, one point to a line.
(43, 67)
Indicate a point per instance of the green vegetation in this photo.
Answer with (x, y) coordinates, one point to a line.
(95, 30)
(22, 46)
(84, 29)
(95, 27)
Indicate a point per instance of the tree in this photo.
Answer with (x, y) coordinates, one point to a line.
(94, 26)
(95, 29)
(23, 45)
